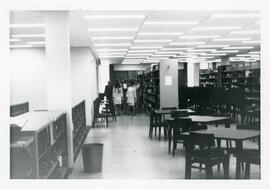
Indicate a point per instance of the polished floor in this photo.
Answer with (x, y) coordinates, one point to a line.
(129, 154)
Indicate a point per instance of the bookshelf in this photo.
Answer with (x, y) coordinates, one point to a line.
(245, 76)
(208, 78)
(151, 93)
(80, 130)
(38, 146)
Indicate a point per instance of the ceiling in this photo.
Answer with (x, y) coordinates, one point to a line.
(148, 36)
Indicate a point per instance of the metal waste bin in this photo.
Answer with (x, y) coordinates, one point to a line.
(92, 154)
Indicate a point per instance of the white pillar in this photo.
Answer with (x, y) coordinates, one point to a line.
(103, 75)
(225, 60)
(59, 68)
(193, 74)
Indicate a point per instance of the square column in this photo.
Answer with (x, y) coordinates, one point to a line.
(58, 68)
(193, 74)
(168, 71)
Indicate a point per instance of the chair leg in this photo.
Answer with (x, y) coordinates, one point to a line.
(247, 170)
(209, 171)
(226, 167)
(188, 170)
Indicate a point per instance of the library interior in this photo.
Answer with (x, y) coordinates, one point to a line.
(135, 94)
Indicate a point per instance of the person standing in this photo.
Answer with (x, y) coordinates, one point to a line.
(117, 96)
(108, 91)
(131, 97)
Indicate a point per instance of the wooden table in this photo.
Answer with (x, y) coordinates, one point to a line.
(169, 111)
(200, 119)
(237, 135)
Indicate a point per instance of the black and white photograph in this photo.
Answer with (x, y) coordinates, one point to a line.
(168, 94)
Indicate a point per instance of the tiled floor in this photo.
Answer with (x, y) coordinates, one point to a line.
(129, 154)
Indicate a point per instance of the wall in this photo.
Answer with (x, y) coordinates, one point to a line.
(83, 77)
(169, 93)
(28, 77)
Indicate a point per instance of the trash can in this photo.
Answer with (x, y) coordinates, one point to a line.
(92, 154)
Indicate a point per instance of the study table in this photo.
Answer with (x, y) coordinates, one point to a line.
(200, 119)
(237, 135)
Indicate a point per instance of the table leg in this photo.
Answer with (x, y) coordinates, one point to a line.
(239, 147)
(169, 137)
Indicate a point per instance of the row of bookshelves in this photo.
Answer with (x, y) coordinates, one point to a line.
(245, 76)
(39, 151)
(151, 98)
(80, 130)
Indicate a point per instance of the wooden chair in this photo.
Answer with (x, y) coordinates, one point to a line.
(156, 123)
(201, 148)
(180, 125)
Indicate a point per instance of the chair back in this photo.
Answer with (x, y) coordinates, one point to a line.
(182, 125)
(169, 108)
(251, 126)
(179, 113)
(204, 141)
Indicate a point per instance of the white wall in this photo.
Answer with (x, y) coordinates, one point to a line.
(28, 77)
(83, 79)
(103, 75)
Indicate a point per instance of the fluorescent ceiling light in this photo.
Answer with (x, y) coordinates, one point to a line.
(146, 47)
(110, 50)
(111, 53)
(238, 48)
(200, 50)
(141, 51)
(171, 23)
(169, 52)
(254, 52)
(198, 36)
(245, 32)
(113, 16)
(251, 42)
(160, 33)
(20, 46)
(112, 44)
(248, 55)
(136, 57)
(221, 54)
(139, 54)
(27, 35)
(232, 39)
(105, 38)
(36, 43)
(228, 51)
(212, 46)
(14, 40)
(152, 41)
(161, 55)
(26, 25)
(111, 29)
(175, 49)
(116, 56)
(161, 58)
(191, 53)
(217, 28)
(248, 15)
(187, 43)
